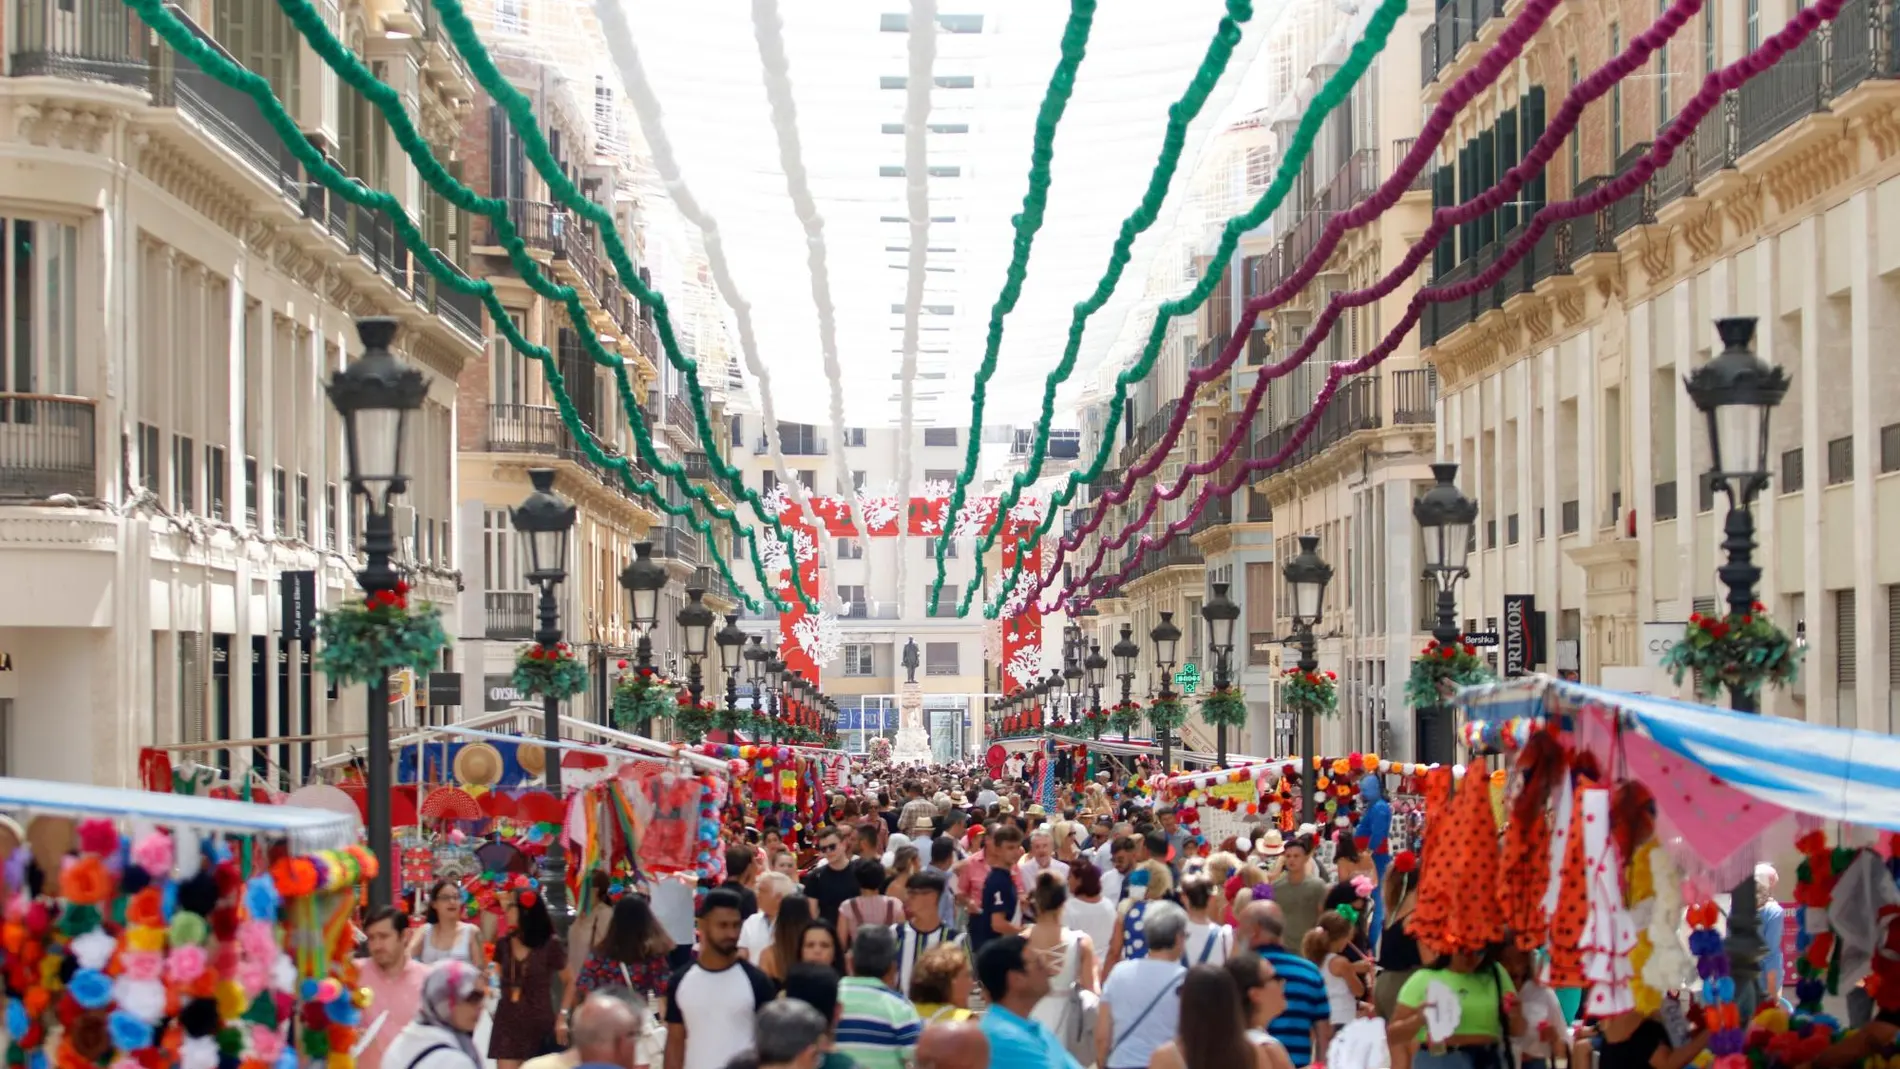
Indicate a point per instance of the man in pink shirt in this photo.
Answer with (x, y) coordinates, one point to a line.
(393, 978)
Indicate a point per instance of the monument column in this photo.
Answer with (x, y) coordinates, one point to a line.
(913, 741)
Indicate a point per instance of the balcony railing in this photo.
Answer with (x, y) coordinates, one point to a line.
(1456, 24)
(1177, 553)
(533, 221)
(510, 614)
(680, 544)
(1219, 512)
(47, 447)
(697, 466)
(1401, 148)
(793, 446)
(539, 429)
(1415, 396)
(1354, 408)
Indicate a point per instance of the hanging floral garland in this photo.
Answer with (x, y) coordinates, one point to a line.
(550, 672)
(367, 640)
(1740, 650)
(1314, 692)
(643, 695)
(1167, 713)
(1224, 706)
(1125, 717)
(1439, 664)
(1721, 1015)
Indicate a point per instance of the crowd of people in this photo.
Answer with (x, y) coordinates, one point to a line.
(950, 921)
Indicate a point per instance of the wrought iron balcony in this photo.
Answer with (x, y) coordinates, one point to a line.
(1355, 407)
(1415, 396)
(510, 614)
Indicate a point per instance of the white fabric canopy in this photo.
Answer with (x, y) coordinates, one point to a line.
(305, 829)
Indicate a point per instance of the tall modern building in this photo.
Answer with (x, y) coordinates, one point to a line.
(177, 291)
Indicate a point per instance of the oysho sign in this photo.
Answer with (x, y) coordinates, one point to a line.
(1518, 609)
(500, 693)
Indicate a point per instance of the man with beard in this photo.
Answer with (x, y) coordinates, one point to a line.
(713, 1002)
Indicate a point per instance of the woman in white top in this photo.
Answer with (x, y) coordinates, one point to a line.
(446, 936)
(1208, 941)
(1067, 1010)
(1325, 947)
(443, 1034)
(1261, 1000)
(1088, 909)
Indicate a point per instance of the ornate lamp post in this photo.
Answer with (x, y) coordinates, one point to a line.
(1445, 518)
(731, 643)
(1737, 392)
(775, 682)
(696, 626)
(643, 578)
(375, 395)
(1166, 637)
(1221, 613)
(1097, 666)
(755, 658)
(1072, 679)
(1307, 576)
(544, 522)
(1125, 650)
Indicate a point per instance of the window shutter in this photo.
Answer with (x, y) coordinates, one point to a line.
(1707, 607)
(1442, 186)
(1508, 157)
(1893, 637)
(1532, 118)
(1846, 672)
(1487, 176)
(1467, 232)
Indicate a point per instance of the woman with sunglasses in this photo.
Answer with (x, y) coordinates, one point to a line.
(1262, 998)
(444, 935)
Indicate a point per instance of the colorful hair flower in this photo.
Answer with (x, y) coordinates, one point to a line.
(85, 880)
(295, 877)
(93, 949)
(187, 929)
(144, 999)
(128, 1032)
(90, 988)
(262, 899)
(186, 962)
(98, 836)
(153, 853)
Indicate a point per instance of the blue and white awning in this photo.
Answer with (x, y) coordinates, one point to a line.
(305, 829)
(1840, 774)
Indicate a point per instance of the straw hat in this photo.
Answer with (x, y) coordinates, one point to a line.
(532, 758)
(478, 765)
(1271, 844)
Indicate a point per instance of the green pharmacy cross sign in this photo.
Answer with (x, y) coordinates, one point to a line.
(1188, 678)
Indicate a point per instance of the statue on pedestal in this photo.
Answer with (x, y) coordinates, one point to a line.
(910, 660)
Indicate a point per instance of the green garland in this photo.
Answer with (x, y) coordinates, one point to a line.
(364, 641)
(1125, 717)
(1336, 89)
(1167, 714)
(693, 722)
(1314, 692)
(220, 67)
(551, 673)
(1457, 663)
(1742, 651)
(641, 696)
(1181, 115)
(1225, 706)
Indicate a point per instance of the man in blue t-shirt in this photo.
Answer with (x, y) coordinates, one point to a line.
(1305, 1025)
(995, 914)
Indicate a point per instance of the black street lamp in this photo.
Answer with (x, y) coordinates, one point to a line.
(1737, 392)
(731, 642)
(545, 520)
(1125, 651)
(755, 658)
(1097, 666)
(1445, 519)
(1072, 678)
(643, 578)
(696, 627)
(1221, 613)
(1166, 637)
(1306, 577)
(775, 682)
(375, 395)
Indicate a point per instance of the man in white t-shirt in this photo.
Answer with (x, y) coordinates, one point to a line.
(756, 933)
(1041, 859)
(987, 797)
(712, 1003)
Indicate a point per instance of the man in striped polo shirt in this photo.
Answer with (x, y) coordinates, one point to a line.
(877, 1027)
(1304, 1026)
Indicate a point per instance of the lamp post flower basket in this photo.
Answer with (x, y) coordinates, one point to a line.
(1167, 714)
(1740, 650)
(1224, 707)
(1125, 717)
(1440, 669)
(1316, 691)
(550, 671)
(643, 695)
(693, 720)
(366, 640)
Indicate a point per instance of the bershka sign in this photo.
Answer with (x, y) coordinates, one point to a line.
(1518, 646)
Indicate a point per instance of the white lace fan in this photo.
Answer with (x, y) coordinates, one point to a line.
(1360, 1045)
(1442, 1012)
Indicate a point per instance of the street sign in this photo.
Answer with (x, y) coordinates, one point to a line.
(299, 593)
(1481, 638)
(1188, 678)
(1519, 651)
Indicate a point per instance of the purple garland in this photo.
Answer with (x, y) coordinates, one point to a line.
(1664, 148)
(1424, 147)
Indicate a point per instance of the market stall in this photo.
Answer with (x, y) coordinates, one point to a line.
(166, 929)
